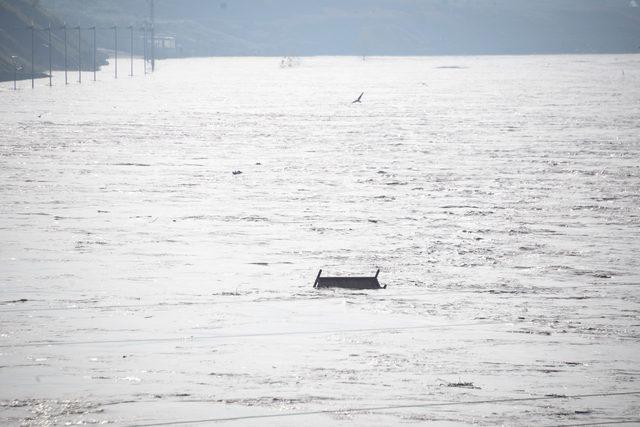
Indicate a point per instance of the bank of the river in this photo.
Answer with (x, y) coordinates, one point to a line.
(16, 19)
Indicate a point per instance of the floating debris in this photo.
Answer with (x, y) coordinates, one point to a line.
(461, 384)
(14, 301)
(236, 172)
(348, 282)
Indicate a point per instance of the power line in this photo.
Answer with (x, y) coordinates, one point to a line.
(63, 29)
(391, 407)
(45, 29)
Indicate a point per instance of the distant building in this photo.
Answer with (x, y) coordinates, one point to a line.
(165, 46)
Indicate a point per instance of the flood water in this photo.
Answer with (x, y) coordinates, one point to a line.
(143, 282)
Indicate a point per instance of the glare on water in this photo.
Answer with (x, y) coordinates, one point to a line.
(499, 196)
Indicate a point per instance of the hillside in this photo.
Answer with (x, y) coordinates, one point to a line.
(384, 27)
(15, 41)
(325, 27)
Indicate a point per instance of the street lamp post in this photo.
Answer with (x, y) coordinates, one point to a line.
(15, 70)
(79, 55)
(131, 29)
(153, 36)
(144, 42)
(66, 81)
(50, 61)
(94, 53)
(33, 47)
(115, 35)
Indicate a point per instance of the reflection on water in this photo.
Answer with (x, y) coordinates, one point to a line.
(498, 195)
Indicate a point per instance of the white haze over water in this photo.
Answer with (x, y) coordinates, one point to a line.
(142, 282)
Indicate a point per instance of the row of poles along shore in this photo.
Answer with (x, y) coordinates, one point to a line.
(149, 52)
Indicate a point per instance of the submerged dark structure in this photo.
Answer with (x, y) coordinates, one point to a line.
(348, 282)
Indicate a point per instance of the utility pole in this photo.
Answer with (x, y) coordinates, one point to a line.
(15, 70)
(153, 38)
(64, 27)
(94, 53)
(50, 61)
(33, 46)
(144, 49)
(79, 55)
(131, 28)
(115, 31)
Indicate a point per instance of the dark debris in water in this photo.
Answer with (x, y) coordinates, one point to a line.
(461, 384)
(529, 331)
(602, 275)
(15, 301)
(228, 294)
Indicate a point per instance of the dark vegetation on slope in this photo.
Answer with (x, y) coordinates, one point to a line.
(334, 27)
(15, 41)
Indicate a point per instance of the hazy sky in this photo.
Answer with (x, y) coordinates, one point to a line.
(281, 27)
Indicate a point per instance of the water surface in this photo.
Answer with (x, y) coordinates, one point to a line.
(142, 281)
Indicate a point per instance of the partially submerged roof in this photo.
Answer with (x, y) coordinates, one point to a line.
(348, 282)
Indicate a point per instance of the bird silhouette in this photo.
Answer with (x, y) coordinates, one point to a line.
(359, 99)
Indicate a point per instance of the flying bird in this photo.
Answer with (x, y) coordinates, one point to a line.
(359, 99)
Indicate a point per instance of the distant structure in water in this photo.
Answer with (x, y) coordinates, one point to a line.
(289, 62)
